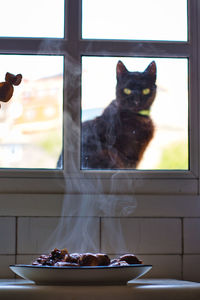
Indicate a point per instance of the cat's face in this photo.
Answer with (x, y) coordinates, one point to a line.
(136, 90)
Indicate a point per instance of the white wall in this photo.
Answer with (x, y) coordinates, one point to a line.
(162, 231)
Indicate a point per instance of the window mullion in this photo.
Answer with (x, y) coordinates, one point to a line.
(193, 86)
(134, 48)
(72, 87)
(73, 21)
(33, 46)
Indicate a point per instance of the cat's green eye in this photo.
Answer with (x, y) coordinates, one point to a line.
(127, 91)
(146, 91)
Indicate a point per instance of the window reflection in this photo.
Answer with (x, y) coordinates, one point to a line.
(168, 149)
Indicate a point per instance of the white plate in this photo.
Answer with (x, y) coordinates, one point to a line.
(80, 275)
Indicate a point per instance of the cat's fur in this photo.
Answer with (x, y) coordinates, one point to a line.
(118, 138)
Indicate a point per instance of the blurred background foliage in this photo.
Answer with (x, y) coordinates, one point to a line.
(174, 156)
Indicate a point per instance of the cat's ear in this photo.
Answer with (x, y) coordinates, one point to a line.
(121, 69)
(151, 70)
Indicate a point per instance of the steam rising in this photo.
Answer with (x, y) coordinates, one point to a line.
(76, 229)
(81, 215)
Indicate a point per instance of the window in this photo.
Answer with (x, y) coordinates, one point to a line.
(31, 122)
(112, 20)
(33, 19)
(87, 42)
(168, 149)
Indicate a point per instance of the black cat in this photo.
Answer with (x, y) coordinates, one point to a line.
(118, 138)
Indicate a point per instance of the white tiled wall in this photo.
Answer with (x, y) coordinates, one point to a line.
(141, 235)
(38, 235)
(170, 244)
(7, 235)
(191, 235)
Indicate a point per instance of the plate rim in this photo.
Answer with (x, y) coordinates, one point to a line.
(77, 267)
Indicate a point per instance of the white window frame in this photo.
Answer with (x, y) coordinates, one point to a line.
(73, 180)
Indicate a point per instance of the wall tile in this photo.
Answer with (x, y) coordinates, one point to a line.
(191, 270)
(5, 261)
(40, 235)
(26, 259)
(163, 266)
(7, 235)
(141, 235)
(191, 235)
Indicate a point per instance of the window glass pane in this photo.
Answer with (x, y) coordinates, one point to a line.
(38, 18)
(31, 122)
(130, 129)
(133, 19)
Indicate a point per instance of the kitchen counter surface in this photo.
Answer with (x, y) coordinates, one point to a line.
(139, 289)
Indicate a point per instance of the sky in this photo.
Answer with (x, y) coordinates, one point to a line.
(133, 19)
(144, 19)
(37, 18)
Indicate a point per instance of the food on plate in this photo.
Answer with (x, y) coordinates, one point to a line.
(61, 258)
(6, 87)
(89, 259)
(124, 260)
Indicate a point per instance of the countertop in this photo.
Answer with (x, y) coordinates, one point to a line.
(139, 289)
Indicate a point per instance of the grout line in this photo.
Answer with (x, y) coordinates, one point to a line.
(16, 239)
(148, 254)
(182, 233)
(100, 227)
(182, 245)
(143, 217)
(118, 253)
